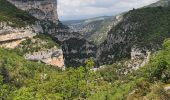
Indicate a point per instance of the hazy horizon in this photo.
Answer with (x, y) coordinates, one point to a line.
(84, 9)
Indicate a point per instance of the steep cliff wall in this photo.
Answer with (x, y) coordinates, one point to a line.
(46, 13)
(41, 9)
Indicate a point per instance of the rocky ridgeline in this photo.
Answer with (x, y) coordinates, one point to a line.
(52, 57)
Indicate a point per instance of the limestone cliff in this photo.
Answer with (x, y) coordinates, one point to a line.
(52, 57)
(11, 37)
(20, 31)
(41, 9)
(42, 48)
(46, 13)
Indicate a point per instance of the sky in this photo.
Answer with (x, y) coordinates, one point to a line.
(82, 9)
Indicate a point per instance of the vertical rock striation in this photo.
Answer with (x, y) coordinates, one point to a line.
(41, 9)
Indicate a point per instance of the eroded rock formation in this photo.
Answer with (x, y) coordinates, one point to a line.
(11, 37)
(41, 9)
(52, 57)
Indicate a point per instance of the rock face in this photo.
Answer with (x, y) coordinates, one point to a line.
(41, 9)
(70, 41)
(139, 58)
(11, 37)
(52, 57)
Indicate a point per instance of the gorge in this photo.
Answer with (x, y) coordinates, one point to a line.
(120, 57)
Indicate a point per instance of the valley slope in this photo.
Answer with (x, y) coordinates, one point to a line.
(94, 29)
(134, 56)
(143, 29)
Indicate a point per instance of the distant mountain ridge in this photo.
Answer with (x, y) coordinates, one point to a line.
(93, 29)
(162, 3)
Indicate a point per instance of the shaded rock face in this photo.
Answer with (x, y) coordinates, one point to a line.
(75, 47)
(77, 51)
(41, 9)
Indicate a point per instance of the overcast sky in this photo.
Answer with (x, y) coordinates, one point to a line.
(81, 9)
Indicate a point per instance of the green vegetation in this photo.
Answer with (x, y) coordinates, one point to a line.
(37, 43)
(146, 27)
(21, 79)
(100, 31)
(15, 17)
(147, 82)
(25, 80)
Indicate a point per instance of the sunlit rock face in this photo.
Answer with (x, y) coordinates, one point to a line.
(52, 57)
(41, 9)
(11, 37)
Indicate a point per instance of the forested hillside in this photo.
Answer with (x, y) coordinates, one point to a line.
(144, 29)
(92, 29)
(21, 79)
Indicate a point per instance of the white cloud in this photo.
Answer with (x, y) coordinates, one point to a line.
(79, 9)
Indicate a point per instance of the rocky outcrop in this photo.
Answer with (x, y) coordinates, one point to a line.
(11, 37)
(139, 58)
(41, 9)
(52, 57)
